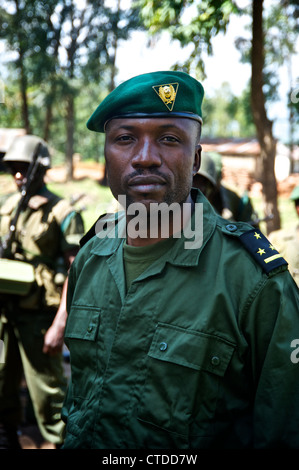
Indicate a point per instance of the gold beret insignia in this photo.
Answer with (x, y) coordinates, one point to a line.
(167, 93)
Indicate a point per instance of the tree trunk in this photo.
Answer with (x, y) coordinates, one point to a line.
(23, 88)
(69, 137)
(48, 122)
(49, 109)
(263, 124)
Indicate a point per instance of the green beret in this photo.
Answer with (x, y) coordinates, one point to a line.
(156, 94)
(295, 194)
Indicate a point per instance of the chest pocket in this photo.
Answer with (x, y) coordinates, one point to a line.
(184, 376)
(81, 338)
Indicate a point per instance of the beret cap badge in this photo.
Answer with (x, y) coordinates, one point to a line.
(167, 93)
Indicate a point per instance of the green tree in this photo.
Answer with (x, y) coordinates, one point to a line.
(61, 44)
(227, 115)
(197, 22)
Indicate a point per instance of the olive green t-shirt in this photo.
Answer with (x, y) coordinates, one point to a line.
(138, 259)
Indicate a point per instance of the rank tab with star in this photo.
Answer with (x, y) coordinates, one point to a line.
(262, 250)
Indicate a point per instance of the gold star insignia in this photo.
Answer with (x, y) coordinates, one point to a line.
(261, 251)
(272, 247)
(257, 235)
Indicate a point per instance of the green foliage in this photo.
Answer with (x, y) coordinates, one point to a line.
(63, 52)
(10, 109)
(189, 21)
(226, 115)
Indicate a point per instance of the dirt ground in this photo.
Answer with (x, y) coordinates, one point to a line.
(92, 170)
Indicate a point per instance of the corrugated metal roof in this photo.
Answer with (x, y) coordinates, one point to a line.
(231, 146)
(243, 147)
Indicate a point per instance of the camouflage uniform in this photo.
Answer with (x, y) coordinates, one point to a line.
(226, 202)
(287, 242)
(47, 229)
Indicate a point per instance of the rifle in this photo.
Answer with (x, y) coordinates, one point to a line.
(6, 244)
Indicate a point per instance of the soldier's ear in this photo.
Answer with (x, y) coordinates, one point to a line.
(197, 159)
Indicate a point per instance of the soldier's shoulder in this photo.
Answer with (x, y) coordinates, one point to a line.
(8, 202)
(61, 207)
(256, 244)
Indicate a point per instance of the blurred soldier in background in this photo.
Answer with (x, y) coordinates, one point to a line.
(40, 235)
(226, 202)
(287, 240)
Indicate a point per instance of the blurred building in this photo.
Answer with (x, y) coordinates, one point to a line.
(241, 160)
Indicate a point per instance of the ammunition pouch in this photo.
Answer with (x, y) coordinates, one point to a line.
(34, 287)
(16, 277)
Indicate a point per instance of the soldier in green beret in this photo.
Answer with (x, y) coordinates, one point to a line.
(287, 240)
(40, 235)
(183, 338)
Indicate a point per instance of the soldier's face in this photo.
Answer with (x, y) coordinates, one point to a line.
(19, 171)
(152, 160)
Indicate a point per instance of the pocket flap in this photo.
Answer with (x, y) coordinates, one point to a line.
(189, 348)
(82, 323)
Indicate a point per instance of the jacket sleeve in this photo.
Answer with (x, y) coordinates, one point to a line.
(273, 328)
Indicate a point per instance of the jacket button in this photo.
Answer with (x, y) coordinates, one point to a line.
(163, 346)
(89, 329)
(215, 360)
(231, 227)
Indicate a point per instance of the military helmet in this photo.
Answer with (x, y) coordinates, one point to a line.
(23, 149)
(208, 168)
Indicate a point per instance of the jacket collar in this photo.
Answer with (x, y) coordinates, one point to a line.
(182, 253)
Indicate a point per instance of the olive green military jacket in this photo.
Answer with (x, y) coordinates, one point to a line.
(199, 353)
(46, 229)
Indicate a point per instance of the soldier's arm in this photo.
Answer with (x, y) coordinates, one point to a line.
(54, 337)
(274, 326)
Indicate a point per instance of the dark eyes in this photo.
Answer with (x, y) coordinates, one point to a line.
(170, 138)
(123, 138)
(129, 138)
